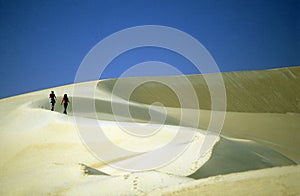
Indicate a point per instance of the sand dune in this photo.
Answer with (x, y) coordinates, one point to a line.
(275, 181)
(276, 90)
(43, 152)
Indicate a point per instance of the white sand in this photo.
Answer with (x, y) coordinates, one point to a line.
(42, 151)
(271, 181)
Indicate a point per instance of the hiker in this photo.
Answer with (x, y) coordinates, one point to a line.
(52, 100)
(65, 101)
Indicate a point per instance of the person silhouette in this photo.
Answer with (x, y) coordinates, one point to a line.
(65, 101)
(52, 100)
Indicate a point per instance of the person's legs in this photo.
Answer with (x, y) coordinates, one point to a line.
(52, 108)
(65, 106)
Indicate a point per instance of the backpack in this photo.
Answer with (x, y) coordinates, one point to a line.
(52, 100)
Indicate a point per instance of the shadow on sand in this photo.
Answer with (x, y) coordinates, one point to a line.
(231, 155)
(113, 111)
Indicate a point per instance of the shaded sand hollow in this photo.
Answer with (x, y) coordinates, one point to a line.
(256, 153)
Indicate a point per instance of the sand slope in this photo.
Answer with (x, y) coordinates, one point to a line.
(276, 90)
(43, 152)
(275, 181)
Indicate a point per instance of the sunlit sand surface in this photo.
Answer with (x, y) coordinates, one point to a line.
(257, 150)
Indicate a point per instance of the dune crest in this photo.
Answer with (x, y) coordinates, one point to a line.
(45, 153)
(275, 90)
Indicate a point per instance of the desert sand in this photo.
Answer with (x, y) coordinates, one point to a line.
(257, 151)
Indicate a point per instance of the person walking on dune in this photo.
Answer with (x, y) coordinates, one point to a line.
(65, 101)
(52, 100)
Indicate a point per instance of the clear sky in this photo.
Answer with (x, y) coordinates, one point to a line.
(42, 43)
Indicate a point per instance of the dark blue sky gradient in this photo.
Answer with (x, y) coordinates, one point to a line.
(42, 43)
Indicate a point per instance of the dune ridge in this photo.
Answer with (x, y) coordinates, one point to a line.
(261, 131)
(264, 91)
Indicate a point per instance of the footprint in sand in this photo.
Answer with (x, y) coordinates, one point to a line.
(126, 176)
(135, 182)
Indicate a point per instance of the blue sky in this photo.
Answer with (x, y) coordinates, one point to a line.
(42, 43)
